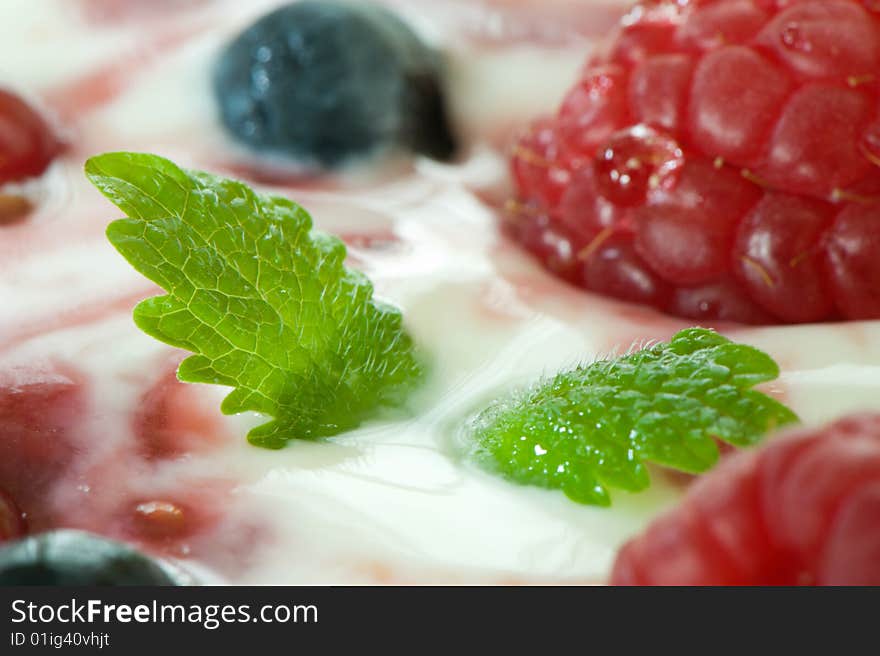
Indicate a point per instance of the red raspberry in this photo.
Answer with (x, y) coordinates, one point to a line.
(27, 144)
(12, 524)
(39, 409)
(805, 509)
(721, 160)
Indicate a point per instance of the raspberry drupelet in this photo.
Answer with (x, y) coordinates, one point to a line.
(718, 160)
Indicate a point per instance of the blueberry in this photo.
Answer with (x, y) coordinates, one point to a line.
(66, 557)
(325, 82)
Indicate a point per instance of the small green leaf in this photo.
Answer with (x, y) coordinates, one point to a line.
(265, 304)
(594, 428)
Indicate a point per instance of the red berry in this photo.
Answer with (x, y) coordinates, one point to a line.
(12, 523)
(39, 409)
(804, 509)
(739, 142)
(27, 144)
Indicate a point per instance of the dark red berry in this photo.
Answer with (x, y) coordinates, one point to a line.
(39, 411)
(12, 523)
(27, 143)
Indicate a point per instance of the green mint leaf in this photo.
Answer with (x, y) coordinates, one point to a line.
(595, 427)
(266, 305)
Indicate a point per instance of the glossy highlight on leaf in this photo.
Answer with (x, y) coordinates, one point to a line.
(595, 427)
(265, 303)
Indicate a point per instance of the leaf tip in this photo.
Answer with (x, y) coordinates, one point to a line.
(97, 166)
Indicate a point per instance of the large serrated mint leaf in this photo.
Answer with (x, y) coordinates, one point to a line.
(266, 305)
(595, 427)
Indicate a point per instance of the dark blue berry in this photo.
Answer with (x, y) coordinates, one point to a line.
(326, 82)
(66, 557)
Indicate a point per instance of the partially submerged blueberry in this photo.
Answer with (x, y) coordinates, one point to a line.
(67, 557)
(324, 82)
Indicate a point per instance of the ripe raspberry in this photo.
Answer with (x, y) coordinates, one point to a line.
(12, 523)
(805, 509)
(38, 422)
(719, 159)
(27, 143)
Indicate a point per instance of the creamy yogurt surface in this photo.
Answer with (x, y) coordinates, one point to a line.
(394, 501)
